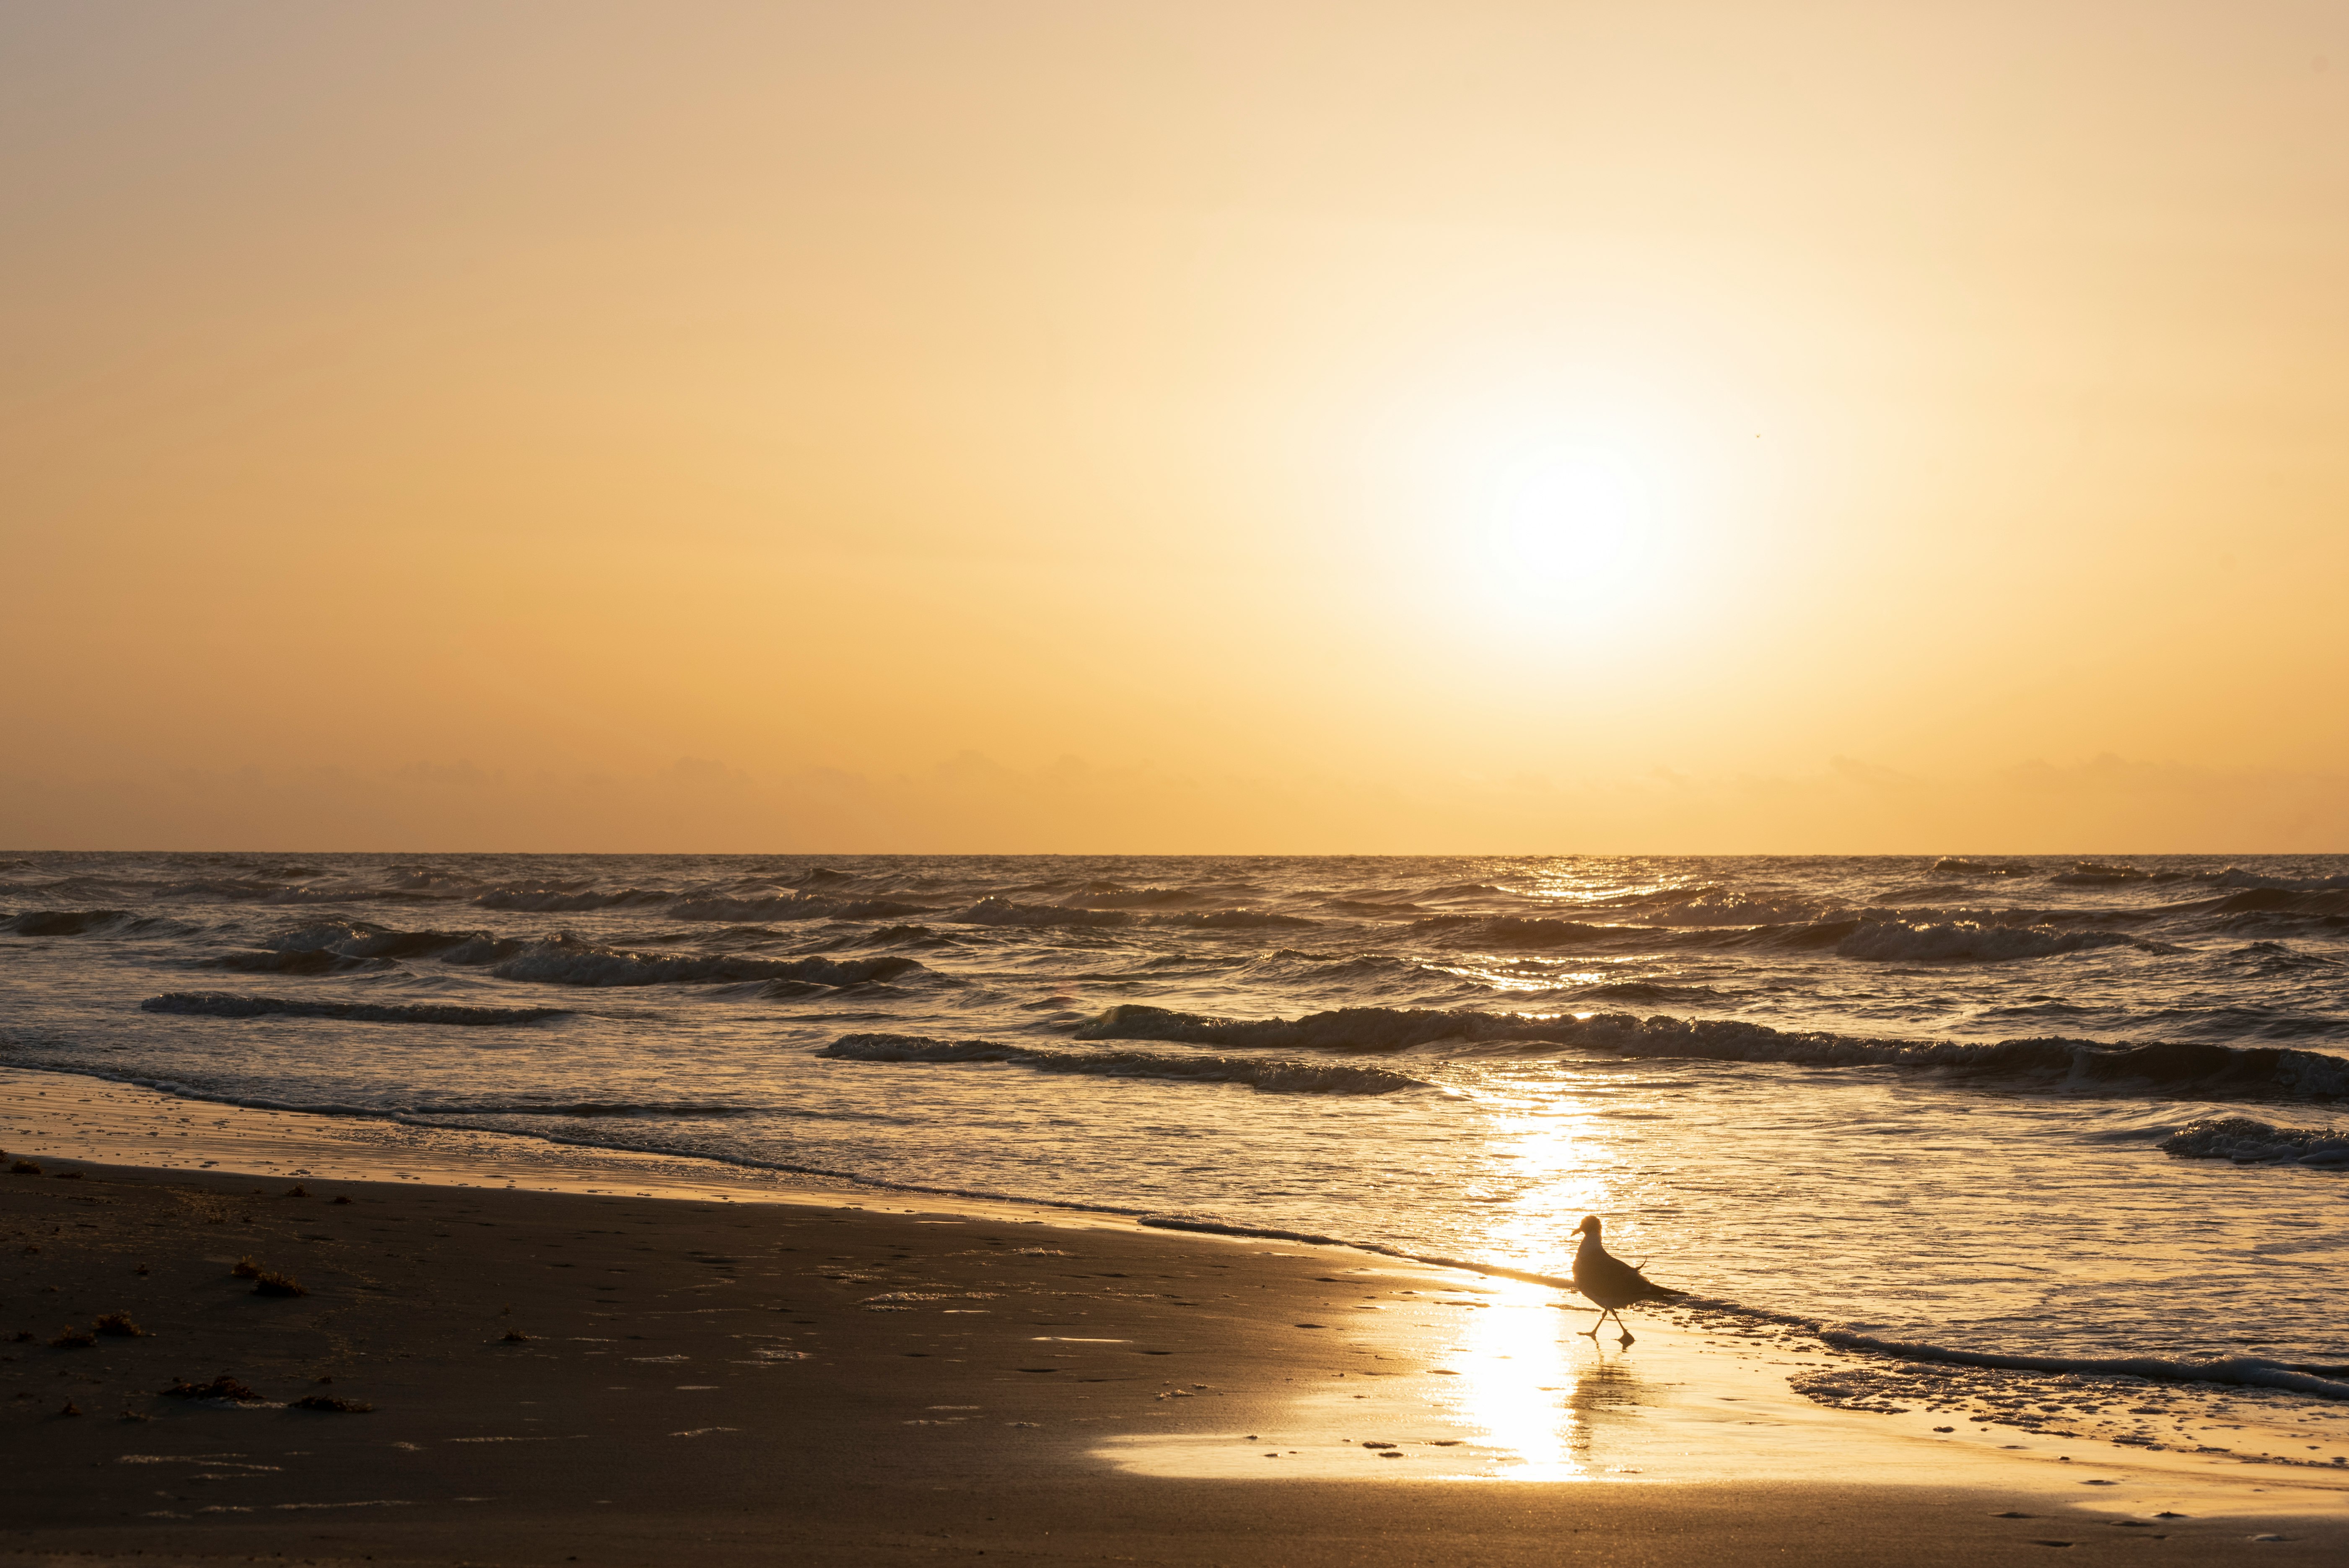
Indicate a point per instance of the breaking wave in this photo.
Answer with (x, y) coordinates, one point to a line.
(2235, 878)
(310, 961)
(2275, 901)
(1264, 1077)
(355, 939)
(84, 923)
(2275, 958)
(1648, 991)
(2249, 1142)
(222, 1005)
(1968, 941)
(2211, 1071)
(565, 961)
(1466, 890)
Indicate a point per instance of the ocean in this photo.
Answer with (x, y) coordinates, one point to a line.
(2022, 1105)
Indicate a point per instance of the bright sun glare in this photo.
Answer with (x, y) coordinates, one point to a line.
(1570, 526)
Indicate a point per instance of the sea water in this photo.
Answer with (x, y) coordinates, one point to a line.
(2007, 1105)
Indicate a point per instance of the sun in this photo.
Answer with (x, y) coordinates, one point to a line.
(1569, 525)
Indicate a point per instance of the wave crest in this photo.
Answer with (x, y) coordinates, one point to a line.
(565, 961)
(1968, 941)
(1515, 931)
(2091, 873)
(2212, 1071)
(311, 961)
(1713, 907)
(2318, 903)
(560, 900)
(1264, 1077)
(2233, 877)
(995, 911)
(223, 1005)
(1228, 920)
(794, 906)
(2249, 1142)
(356, 939)
(81, 922)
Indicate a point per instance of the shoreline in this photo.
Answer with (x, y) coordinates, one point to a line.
(1080, 1361)
(115, 1121)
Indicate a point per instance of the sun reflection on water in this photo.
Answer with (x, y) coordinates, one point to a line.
(1524, 1381)
(1516, 1385)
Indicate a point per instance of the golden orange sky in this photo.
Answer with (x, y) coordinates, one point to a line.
(1094, 427)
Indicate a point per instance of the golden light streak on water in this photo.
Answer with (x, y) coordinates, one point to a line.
(1517, 1386)
(1519, 1382)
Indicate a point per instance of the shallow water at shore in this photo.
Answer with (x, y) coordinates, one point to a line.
(1781, 1081)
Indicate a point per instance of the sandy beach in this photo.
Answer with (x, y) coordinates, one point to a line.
(748, 1372)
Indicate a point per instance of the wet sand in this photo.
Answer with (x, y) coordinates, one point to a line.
(613, 1377)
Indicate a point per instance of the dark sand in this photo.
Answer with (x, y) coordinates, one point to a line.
(710, 1382)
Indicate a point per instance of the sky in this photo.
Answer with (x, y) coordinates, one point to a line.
(1265, 427)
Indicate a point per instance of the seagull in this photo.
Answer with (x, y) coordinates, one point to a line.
(1610, 1281)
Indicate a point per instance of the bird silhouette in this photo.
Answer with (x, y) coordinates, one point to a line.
(1610, 1281)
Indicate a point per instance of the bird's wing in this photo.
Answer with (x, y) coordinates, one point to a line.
(1610, 1276)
